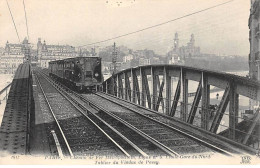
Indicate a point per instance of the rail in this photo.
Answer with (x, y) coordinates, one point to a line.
(164, 88)
(164, 148)
(54, 117)
(82, 109)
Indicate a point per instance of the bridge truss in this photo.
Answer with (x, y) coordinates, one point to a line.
(164, 88)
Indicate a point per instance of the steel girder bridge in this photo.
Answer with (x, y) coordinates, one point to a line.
(164, 89)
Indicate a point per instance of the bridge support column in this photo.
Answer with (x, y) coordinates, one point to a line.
(145, 90)
(120, 87)
(132, 86)
(136, 91)
(233, 111)
(221, 110)
(160, 96)
(154, 85)
(106, 87)
(184, 94)
(176, 98)
(117, 84)
(143, 102)
(205, 102)
(195, 104)
(126, 86)
(113, 86)
(168, 91)
(252, 126)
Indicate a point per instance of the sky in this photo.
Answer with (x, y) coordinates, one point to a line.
(222, 30)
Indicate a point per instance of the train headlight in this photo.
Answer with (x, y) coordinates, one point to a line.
(96, 74)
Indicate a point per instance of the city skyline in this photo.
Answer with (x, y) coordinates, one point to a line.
(222, 30)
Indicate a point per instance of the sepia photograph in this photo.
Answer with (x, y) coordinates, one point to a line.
(129, 82)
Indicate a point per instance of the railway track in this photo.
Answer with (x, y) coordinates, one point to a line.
(144, 144)
(132, 141)
(158, 126)
(79, 135)
(162, 137)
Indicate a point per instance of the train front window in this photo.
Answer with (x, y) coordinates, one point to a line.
(88, 73)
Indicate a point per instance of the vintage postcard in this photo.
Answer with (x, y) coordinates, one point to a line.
(130, 82)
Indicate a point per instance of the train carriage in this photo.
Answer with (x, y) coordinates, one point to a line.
(81, 73)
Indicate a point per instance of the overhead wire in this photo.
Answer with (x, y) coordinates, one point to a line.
(157, 25)
(26, 20)
(163, 37)
(13, 21)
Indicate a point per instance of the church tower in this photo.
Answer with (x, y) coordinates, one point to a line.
(176, 42)
(192, 40)
(39, 48)
(7, 47)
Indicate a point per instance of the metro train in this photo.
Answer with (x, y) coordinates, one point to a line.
(82, 74)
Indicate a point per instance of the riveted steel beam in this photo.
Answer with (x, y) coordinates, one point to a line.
(205, 102)
(160, 97)
(176, 99)
(184, 94)
(105, 87)
(111, 86)
(115, 86)
(246, 87)
(220, 111)
(145, 90)
(233, 110)
(117, 82)
(127, 87)
(132, 86)
(195, 104)
(154, 85)
(136, 89)
(120, 86)
(168, 91)
(134, 81)
(252, 126)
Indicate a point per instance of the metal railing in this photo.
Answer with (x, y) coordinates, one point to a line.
(242, 125)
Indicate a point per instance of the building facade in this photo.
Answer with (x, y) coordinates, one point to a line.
(178, 55)
(174, 54)
(47, 53)
(254, 38)
(129, 57)
(13, 55)
(190, 50)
